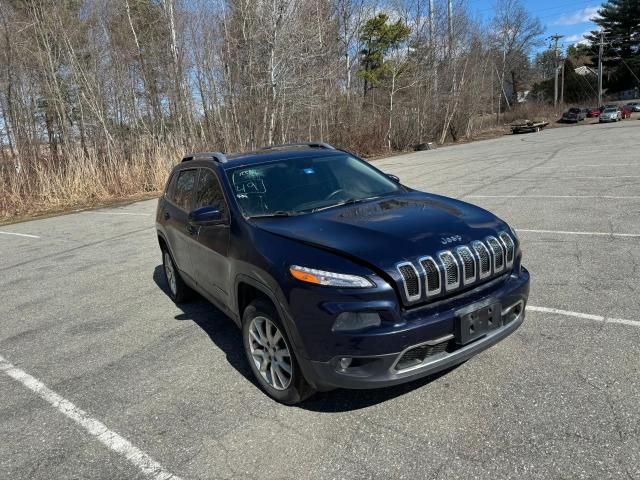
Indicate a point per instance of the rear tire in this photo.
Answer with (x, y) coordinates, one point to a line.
(271, 356)
(179, 292)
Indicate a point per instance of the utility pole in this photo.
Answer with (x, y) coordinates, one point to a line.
(562, 85)
(556, 37)
(600, 52)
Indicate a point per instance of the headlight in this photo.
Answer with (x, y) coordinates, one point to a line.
(330, 279)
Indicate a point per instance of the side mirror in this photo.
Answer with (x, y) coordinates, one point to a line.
(394, 178)
(209, 215)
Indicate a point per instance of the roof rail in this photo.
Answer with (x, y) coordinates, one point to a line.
(215, 156)
(302, 144)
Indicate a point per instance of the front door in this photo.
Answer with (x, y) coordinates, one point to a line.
(209, 254)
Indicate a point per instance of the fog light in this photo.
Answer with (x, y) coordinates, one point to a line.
(351, 321)
(345, 362)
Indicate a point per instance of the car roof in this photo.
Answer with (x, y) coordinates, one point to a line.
(284, 152)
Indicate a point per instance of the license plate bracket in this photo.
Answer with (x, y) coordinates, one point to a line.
(476, 323)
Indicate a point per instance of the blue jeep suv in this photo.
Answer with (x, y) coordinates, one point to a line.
(337, 274)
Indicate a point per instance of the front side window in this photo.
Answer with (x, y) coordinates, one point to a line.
(209, 191)
(303, 185)
(182, 194)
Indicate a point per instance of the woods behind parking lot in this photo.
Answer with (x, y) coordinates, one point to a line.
(98, 99)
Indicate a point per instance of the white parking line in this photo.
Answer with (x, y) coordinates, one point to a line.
(598, 177)
(122, 213)
(149, 467)
(585, 316)
(19, 234)
(628, 197)
(595, 165)
(600, 234)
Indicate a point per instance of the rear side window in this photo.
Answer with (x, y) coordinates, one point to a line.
(209, 191)
(182, 194)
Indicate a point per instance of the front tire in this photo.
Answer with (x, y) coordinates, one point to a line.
(271, 356)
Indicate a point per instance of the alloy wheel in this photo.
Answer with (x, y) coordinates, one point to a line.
(270, 353)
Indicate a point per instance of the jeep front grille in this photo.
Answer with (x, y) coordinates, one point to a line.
(448, 271)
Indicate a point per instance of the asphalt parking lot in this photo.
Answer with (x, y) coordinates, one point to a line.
(103, 377)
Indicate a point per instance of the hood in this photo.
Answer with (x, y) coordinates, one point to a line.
(387, 231)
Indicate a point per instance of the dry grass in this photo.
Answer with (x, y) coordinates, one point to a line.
(533, 111)
(79, 180)
(42, 185)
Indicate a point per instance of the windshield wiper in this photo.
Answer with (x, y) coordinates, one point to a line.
(348, 201)
(278, 213)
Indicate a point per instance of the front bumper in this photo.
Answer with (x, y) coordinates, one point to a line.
(382, 370)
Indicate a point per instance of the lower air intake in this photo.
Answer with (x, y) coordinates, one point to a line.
(417, 355)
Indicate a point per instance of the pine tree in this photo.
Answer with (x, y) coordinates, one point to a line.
(619, 21)
(379, 37)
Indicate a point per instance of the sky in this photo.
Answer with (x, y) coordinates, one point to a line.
(564, 17)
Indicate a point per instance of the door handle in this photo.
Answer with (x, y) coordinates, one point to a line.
(191, 229)
(166, 215)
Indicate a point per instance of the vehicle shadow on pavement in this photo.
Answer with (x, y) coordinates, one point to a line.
(224, 333)
(348, 400)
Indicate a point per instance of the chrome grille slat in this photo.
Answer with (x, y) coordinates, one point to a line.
(432, 280)
(451, 270)
(484, 257)
(497, 254)
(509, 248)
(468, 263)
(411, 281)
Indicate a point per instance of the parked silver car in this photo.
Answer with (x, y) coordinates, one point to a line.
(635, 106)
(610, 115)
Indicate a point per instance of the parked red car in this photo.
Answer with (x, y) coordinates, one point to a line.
(626, 111)
(593, 112)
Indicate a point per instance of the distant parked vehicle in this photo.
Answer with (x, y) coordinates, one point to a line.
(608, 105)
(593, 112)
(626, 111)
(611, 115)
(573, 115)
(635, 106)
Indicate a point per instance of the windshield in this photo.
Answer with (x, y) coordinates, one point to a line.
(611, 110)
(299, 185)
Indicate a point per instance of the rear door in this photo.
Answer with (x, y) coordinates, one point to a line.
(209, 254)
(177, 206)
